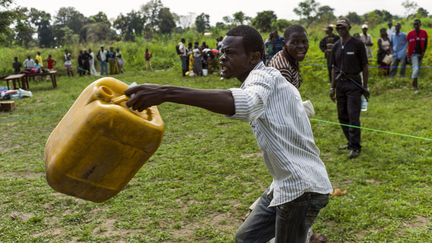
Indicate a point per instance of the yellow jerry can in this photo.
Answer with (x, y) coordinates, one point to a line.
(100, 144)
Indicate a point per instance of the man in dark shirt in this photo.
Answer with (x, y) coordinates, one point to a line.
(277, 42)
(326, 46)
(349, 59)
(16, 65)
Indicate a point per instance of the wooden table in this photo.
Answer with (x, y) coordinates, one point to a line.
(17, 78)
(52, 74)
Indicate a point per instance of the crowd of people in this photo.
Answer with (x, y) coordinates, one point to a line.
(198, 59)
(395, 48)
(35, 65)
(347, 56)
(110, 62)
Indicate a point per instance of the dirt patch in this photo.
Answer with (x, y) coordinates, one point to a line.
(107, 229)
(361, 235)
(417, 222)
(49, 232)
(346, 182)
(23, 217)
(373, 181)
(22, 175)
(225, 221)
(253, 155)
(186, 231)
(5, 149)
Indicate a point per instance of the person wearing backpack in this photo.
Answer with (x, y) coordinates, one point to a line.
(181, 51)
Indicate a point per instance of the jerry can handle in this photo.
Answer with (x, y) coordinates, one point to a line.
(123, 98)
(119, 99)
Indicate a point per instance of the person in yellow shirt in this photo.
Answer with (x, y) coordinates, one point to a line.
(39, 58)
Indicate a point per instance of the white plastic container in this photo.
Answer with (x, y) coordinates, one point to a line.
(364, 103)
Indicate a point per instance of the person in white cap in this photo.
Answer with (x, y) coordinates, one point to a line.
(367, 40)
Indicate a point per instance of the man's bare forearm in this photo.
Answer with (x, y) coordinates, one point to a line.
(218, 101)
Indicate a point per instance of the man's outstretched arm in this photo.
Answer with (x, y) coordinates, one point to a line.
(144, 96)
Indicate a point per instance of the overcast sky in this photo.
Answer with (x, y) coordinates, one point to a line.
(219, 8)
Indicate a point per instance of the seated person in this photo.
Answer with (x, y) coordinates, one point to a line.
(28, 64)
(37, 67)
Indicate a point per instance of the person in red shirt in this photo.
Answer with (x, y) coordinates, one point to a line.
(417, 44)
(51, 63)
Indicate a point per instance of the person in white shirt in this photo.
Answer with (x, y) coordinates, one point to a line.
(391, 29)
(103, 60)
(273, 107)
(28, 63)
(367, 40)
(181, 51)
(92, 63)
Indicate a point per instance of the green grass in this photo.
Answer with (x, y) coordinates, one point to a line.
(208, 170)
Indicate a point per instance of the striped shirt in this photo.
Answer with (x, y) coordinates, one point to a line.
(283, 132)
(281, 63)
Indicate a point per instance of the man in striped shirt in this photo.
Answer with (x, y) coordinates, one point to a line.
(273, 107)
(294, 51)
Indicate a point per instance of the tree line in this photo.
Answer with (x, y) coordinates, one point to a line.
(32, 27)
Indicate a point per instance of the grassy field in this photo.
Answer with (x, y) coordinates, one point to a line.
(208, 170)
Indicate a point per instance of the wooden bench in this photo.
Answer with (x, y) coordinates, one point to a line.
(51, 74)
(16, 78)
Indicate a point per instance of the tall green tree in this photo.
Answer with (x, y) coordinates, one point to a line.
(166, 21)
(263, 20)
(151, 11)
(6, 18)
(239, 18)
(228, 20)
(123, 24)
(354, 18)
(71, 18)
(5, 3)
(130, 25)
(42, 21)
(325, 14)
(137, 22)
(202, 22)
(96, 32)
(280, 25)
(63, 35)
(100, 17)
(377, 16)
(23, 27)
(220, 25)
(307, 11)
(421, 13)
(410, 7)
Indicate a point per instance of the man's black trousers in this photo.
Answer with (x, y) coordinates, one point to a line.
(348, 97)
